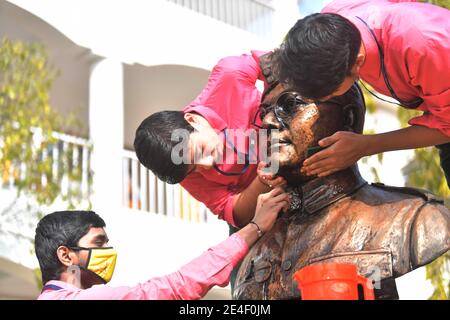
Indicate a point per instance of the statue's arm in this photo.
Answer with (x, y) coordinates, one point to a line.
(430, 237)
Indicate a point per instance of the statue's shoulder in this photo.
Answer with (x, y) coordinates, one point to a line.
(426, 195)
(429, 231)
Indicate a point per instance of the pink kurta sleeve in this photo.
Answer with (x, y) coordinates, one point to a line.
(192, 281)
(230, 93)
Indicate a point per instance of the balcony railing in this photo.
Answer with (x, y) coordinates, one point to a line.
(143, 191)
(251, 15)
(69, 157)
(71, 168)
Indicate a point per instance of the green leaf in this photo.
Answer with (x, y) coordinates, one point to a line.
(26, 78)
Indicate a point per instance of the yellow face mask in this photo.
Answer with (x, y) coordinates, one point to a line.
(101, 261)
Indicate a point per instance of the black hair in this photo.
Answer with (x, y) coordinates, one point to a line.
(153, 145)
(61, 228)
(317, 54)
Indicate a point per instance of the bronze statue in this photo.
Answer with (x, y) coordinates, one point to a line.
(338, 218)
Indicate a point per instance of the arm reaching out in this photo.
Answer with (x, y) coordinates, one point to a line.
(195, 279)
(343, 148)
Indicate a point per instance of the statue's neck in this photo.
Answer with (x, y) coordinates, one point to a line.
(319, 193)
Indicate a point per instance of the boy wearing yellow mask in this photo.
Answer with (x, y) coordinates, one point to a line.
(73, 254)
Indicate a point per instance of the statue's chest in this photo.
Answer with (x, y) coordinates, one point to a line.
(305, 239)
(327, 237)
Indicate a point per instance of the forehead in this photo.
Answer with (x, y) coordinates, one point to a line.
(273, 93)
(305, 113)
(323, 108)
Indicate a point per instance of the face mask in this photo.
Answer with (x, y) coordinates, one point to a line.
(101, 261)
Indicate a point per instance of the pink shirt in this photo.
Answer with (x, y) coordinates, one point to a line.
(191, 282)
(229, 101)
(415, 38)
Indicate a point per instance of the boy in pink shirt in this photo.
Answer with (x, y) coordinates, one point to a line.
(76, 262)
(401, 48)
(225, 112)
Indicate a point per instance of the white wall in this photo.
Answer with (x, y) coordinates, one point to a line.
(69, 92)
(151, 89)
(153, 32)
(154, 245)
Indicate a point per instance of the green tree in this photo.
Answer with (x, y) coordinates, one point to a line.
(441, 3)
(28, 126)
(423, 171)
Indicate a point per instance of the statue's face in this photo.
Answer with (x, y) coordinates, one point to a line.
(300, 126)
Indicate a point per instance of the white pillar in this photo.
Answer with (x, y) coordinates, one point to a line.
(106, 125)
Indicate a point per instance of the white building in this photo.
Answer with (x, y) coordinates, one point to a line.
(120, 61)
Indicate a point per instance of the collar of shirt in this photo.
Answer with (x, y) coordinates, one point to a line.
(61, 284)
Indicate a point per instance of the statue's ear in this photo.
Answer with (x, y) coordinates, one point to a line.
(350, 117)
(354, 110)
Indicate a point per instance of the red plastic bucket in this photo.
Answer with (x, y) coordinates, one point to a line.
(332, 281)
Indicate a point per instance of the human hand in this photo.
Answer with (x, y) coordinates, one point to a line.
(343, 149)
(267, 178)
(268, 206)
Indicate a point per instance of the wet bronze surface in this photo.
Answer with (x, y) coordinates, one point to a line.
(340, 218)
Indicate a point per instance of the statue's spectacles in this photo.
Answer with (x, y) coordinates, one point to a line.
(283, 108)
(286, 105)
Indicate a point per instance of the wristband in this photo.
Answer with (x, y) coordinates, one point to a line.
(260, 233)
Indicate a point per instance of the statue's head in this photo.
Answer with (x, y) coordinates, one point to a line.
(301, 125)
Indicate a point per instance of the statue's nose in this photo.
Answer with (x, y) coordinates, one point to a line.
(270, 121)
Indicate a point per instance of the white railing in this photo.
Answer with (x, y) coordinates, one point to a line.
(251, 15)
(69, 156)
(143, 191)
(79, 160)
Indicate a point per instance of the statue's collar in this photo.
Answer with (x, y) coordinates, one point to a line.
(319, 193)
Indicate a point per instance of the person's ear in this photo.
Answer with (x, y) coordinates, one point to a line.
(358, 64)
(66, 256)
(354, 117)
(349, 117)
(194, 120)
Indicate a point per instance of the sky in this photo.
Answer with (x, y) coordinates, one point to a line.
(311, 6)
